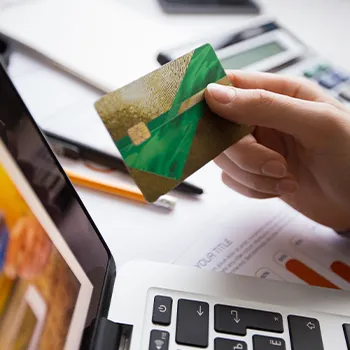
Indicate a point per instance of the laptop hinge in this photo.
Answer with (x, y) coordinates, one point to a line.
(112, 336)
(108, 335)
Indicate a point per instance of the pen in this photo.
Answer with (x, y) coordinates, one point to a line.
(166, 202)
(75, 150)
(4, 51)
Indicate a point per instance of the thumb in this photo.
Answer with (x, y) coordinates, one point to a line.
(302, 119)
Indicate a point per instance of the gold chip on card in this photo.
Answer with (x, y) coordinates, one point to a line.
(139, 133)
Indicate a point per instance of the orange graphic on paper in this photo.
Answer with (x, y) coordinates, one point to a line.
(342, 270)
(308, 275)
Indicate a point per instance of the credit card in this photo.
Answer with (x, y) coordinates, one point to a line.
(162, 125)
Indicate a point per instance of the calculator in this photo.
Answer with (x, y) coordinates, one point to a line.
(264, 45)
(209, 6)
(335, 80)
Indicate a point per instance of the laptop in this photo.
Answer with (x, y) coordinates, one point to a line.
(60, 288)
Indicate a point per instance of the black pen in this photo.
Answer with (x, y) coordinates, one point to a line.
(5, 51)
(65, 147)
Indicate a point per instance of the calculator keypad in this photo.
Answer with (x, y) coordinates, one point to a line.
(333, 80)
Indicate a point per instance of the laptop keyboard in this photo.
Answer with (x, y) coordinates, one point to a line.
(193, 322)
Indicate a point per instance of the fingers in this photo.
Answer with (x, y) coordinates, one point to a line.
(243, 190)
(296, 87)
(307, 121)
(255, 158)
(256, 183)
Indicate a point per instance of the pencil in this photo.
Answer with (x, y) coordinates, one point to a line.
(166, 202)
(65, 147)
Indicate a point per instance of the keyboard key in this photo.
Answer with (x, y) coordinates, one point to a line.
(305, 331)
(315, 72)
(342, 75)
(162, 310)
(346, 328)
(236, 320)
(159, 340)
(192, 326)
(329, 81)
(229, 344)
(309, 74)
(268, 343)
(323, 67)
(345, 92)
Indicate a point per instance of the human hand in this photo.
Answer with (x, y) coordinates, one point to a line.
(28, 250)
(299, 149)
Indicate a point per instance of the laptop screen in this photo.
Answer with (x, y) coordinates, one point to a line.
(52, 260)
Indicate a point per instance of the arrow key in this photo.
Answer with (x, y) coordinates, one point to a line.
(303, 332)
(236, 320)
(192, 326)
(230, 320)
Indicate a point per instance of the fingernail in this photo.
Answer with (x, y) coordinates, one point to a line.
(287, 186)
(220, 93)
(274, 168)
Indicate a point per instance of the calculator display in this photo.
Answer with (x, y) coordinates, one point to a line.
(251, 56)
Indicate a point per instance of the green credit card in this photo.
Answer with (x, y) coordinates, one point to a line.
(162, 125)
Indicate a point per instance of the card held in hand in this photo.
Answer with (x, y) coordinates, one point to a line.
(162, 125)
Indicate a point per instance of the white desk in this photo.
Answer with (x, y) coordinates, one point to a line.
(108, 46)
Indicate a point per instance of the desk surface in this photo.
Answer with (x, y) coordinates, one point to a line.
(107, 50)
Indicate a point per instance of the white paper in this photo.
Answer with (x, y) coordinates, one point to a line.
(260, 241)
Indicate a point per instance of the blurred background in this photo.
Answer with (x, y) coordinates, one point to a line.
(111, 42)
